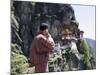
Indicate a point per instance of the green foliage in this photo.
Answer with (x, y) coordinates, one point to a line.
(86, 54)
(67, 54)
(56, 60)
(51, 66)
(18, 60)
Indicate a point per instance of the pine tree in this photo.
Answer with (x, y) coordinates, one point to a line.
(86, 55)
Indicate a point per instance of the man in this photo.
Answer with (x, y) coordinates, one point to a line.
(42, 45)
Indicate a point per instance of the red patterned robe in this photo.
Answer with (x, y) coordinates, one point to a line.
(40, 49)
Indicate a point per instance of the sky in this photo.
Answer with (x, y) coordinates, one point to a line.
(85, 15)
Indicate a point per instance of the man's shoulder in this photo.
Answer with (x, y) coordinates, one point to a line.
(40, 36)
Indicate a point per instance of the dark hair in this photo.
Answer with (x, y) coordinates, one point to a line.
(43, 26)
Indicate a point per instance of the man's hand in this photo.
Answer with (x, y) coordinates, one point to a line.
(51, 40)
(48, 35)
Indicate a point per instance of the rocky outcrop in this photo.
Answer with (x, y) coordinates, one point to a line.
(28, 16)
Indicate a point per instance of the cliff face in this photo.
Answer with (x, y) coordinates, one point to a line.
(26, 18)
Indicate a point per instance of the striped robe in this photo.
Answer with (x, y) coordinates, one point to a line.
(40, 49)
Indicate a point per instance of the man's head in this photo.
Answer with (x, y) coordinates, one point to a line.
(44, 28)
